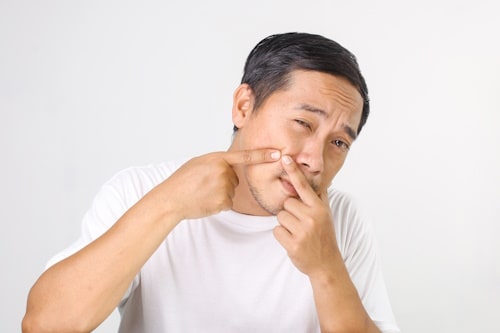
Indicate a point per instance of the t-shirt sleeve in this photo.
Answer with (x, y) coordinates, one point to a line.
(113, 199)
(358, 247)
(105, 210)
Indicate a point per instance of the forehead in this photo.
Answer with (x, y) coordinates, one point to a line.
(325, 87)
(335, 96)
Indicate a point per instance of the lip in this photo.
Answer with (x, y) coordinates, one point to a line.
(289, 188)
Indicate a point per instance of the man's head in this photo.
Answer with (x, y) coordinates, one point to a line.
(303, 95)
(271, 61)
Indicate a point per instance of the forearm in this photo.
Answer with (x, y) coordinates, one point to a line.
(78, 293)
(338, 304)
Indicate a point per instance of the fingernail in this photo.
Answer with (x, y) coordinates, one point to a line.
(275, 155)
(287, 159)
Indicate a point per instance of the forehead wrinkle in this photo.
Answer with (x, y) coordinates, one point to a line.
(347, 94)
(310, 108)
(344, 96)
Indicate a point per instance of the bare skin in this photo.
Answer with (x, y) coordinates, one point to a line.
(311, 124)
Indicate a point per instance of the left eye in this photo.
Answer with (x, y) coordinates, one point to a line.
(341, 144)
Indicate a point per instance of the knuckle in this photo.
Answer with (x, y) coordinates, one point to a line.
(220, 206)
(276, 232)
(287, 203)
(294, 249)
(309, 220)
(247, 156)
(303, 182)
(227, 203)
(264, 156)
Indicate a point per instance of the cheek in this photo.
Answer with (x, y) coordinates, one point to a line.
(276, 132)
(331, 170)
(256, 139)
(262, 173)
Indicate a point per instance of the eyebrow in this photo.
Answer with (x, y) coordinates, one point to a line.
(307, 107)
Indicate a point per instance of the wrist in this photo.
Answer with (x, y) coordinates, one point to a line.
(164, 210)
(332, 270)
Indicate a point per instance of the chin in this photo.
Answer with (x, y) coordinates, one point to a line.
(265, 191)
(271, 205)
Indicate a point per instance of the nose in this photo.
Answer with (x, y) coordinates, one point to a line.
(310, 158)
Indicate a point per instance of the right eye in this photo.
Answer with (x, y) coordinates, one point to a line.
(303, 123)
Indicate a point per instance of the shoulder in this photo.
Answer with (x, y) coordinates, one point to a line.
(129, 185)
(141, 179)
(342, 203)
(352, 226)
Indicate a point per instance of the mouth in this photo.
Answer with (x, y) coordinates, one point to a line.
(289, 188)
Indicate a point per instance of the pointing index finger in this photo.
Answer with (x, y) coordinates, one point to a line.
(299, 180)
(254, 156)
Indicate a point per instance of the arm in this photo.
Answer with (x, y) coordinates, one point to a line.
(306, 232)
(78, 293)
(337, 302)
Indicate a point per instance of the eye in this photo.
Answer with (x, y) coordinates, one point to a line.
(303, 123)
(341, 144)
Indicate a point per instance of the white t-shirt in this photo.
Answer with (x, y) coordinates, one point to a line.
(227, 272)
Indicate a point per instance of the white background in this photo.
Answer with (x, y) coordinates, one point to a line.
(88, 88)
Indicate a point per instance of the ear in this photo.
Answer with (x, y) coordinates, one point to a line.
(243, 100)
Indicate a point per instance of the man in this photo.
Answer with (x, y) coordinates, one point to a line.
(248, 240)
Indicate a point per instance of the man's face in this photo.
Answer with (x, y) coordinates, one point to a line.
(314, 120)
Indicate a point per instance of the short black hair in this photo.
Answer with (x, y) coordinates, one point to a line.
(270, 63)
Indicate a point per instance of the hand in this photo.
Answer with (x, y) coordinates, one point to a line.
(205, 185)
(306, 230)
